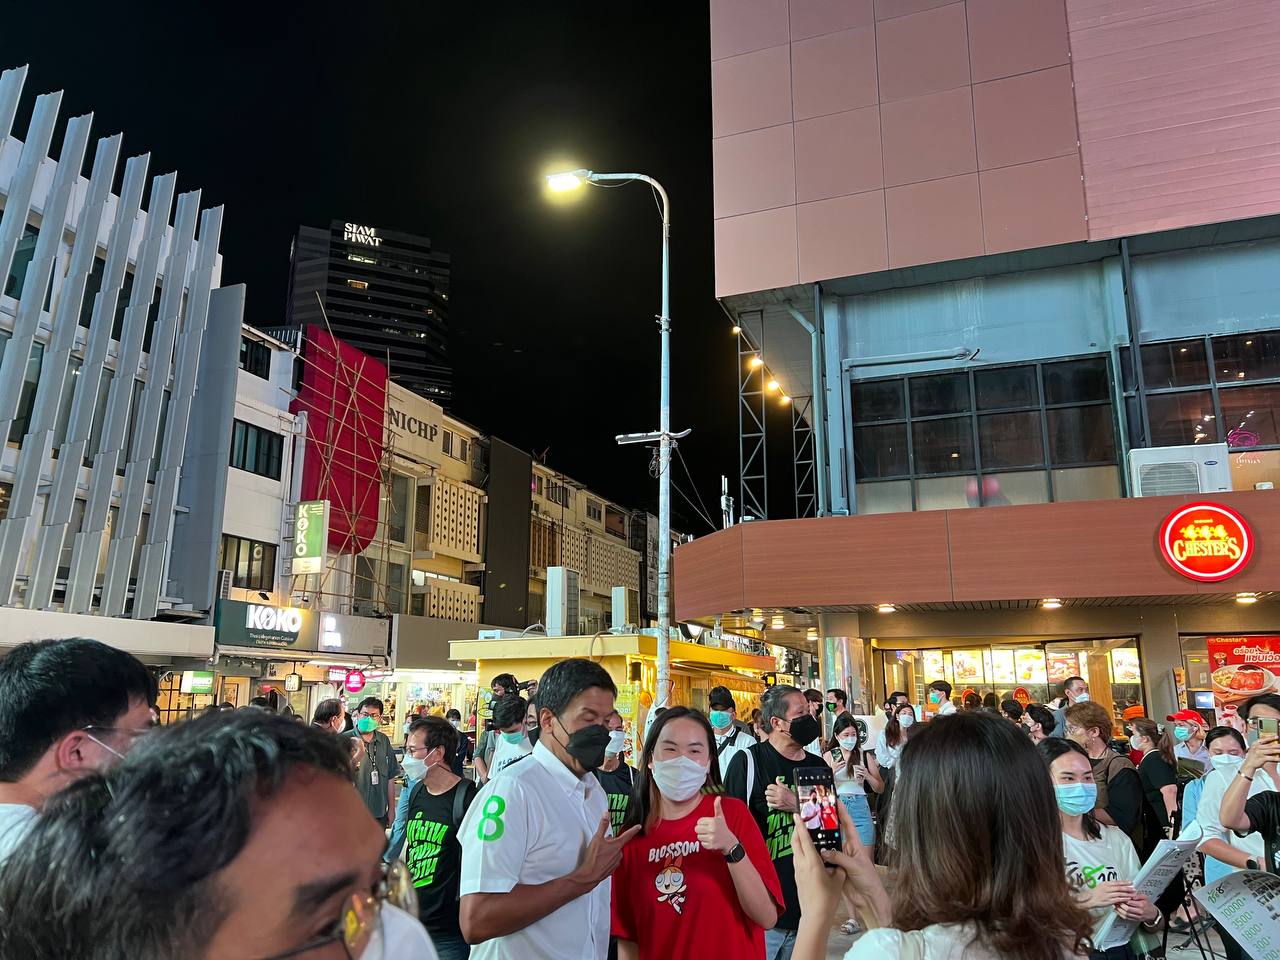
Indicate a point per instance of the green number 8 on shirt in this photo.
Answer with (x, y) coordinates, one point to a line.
(491, 826)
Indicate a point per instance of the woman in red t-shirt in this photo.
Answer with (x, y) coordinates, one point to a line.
(697, 881)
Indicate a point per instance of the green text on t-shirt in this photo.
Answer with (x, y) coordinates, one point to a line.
(618, 803)
(424, 841)
(777, 834)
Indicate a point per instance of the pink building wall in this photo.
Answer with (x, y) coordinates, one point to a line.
(852, 136)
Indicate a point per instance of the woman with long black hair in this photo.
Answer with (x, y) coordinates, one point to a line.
(697, 881)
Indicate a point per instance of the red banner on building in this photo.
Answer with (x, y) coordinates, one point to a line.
(344, 394)
(1243, 667)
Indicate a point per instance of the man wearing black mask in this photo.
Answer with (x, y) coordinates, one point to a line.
(763, 776)
(536, 847)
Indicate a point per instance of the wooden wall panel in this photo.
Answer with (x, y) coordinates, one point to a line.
(707, 575)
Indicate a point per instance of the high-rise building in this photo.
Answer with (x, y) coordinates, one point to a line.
(386, 293)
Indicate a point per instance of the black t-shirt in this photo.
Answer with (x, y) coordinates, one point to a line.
(775, 825)
(463, 754)
(617, 786)
(434, 855)
(1263, 812)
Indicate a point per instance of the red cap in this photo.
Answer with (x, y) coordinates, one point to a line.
(1186, 716)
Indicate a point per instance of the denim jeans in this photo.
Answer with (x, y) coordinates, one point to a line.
(860, 814)
(778, 944)
(450, 946)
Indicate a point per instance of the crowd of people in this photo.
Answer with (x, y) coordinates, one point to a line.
(998, 830)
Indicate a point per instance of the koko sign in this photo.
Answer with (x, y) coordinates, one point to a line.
(262, 625)
(310, 536)
(1206, 542)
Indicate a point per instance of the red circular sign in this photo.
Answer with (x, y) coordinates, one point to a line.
(1206, 542)
(354, 682)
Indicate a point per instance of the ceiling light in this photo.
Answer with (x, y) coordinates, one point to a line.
(1050, 603)
(784, 399)
(1183, 350)
(1240, 375)
(1248, 343)
(778, 623)
(811, 633)
(886, 608)
(1246, 598)
(755, 363)
(736, 330)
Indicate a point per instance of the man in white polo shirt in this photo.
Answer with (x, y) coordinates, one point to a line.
(536, 850)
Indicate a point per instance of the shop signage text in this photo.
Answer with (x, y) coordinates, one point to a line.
(241, 624)
(310, 536)
(354, 233)
(276, 619)
(1206, 542)
(354, 681)
(411, 424)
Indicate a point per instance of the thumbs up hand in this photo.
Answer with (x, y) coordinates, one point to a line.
(714, 833)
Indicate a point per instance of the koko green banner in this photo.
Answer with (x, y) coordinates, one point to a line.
(310, 536)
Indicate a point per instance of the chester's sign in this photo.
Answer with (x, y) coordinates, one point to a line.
(1206, 542)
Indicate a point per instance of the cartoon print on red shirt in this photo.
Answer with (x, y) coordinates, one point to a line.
(670, 883)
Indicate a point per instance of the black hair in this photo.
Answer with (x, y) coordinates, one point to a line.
(898, 693)
(124, 864)
(326, 711)
(642, 804)
(1264, 700)
(1043, 716)
(1217, 733)
(437, 732)
(813, 696)
(1011, 708)
(721, 699)
(774, 704)
(371, 702)
(894, 734)
(261, 702)
(990, 702)
(943, 687)
(840, 695)
(853, 757)
(50, 688)
(453, 714)
(508, 710)
(565, 680)
(972, 701)
(226, 705)
(1066, 684)
(507, 681)
(1051, 748)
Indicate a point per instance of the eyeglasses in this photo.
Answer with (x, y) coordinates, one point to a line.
(355, 927)
(132, 733)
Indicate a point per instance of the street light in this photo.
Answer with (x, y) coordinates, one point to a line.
(569, 180)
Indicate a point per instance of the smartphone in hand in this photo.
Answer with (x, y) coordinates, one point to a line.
(816, 799)
(1263, 727)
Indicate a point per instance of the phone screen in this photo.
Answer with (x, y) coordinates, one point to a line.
(816, 799)
(1269, 726)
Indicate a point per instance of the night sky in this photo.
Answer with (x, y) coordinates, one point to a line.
(440, 119)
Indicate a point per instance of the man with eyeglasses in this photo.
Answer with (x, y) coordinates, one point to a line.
(177, 853)
(68, 708)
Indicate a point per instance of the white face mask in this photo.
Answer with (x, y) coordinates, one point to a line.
(1226, 761)
(414, 768)
(848, 743)
(1082, 697)
(455, 724)
(397, 934)
(906, 719)
(679, 778)
(617, 738)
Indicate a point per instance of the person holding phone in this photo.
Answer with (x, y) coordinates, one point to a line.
(1247, 812)
(697, 881)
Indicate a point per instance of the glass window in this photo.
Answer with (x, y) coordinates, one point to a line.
(422, 518)
(1251, 467)
(1006, 387)
(252, 563)
(446, 442)
(1082, 435)
(395, 588)
(1077, 381)
(1247, 356)
(1086, 483)
(99, 416)
(93, 283)
(366, 577)
(1180, 363)
(1010, 440)
(398, 518)
(943, 446)
(1024, 486)
(880, 451)
(27, 395)
(877, 400)
(947, 493)
(1251, 415)
(122, 304)
(256, 450)
(122, 458)
(255, 357)
(22, 257)
(1179, 418)
(891, 497)
(6, 491)
(69, 384)
(69, 539)
(941, 394)
(157, 449)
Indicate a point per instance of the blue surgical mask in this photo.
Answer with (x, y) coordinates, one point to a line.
(1076, 798)
(1226, 761)
(1182, 734)
(720, 719)
(1082, 697)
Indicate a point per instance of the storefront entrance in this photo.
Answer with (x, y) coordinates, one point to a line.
(1026, 672)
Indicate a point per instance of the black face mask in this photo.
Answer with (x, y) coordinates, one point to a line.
(533, 733)
(587, 745)
(804, 730)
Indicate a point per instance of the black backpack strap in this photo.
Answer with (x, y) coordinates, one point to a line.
(461, 800)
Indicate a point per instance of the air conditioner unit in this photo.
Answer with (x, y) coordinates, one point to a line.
(1167, 471)
(564, 602)
(224, 584)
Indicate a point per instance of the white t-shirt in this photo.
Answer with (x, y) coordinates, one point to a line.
(1091, 862)
(1208, 812)
(15, 820)
(531, 825)
(946, 708)
(732, 743)
(942, 941)
(887, 756)
(506, 754)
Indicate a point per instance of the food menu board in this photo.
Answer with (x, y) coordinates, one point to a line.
(1243, 667)
(968, 666)
(933, 669)
(1029, 666)
(986, 664)
(1124, 666)
(1062, 666)
(1002, 669)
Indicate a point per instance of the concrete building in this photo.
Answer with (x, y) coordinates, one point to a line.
(117, 382)
(1022, 261)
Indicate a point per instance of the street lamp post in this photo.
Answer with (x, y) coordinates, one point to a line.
(664, 436)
